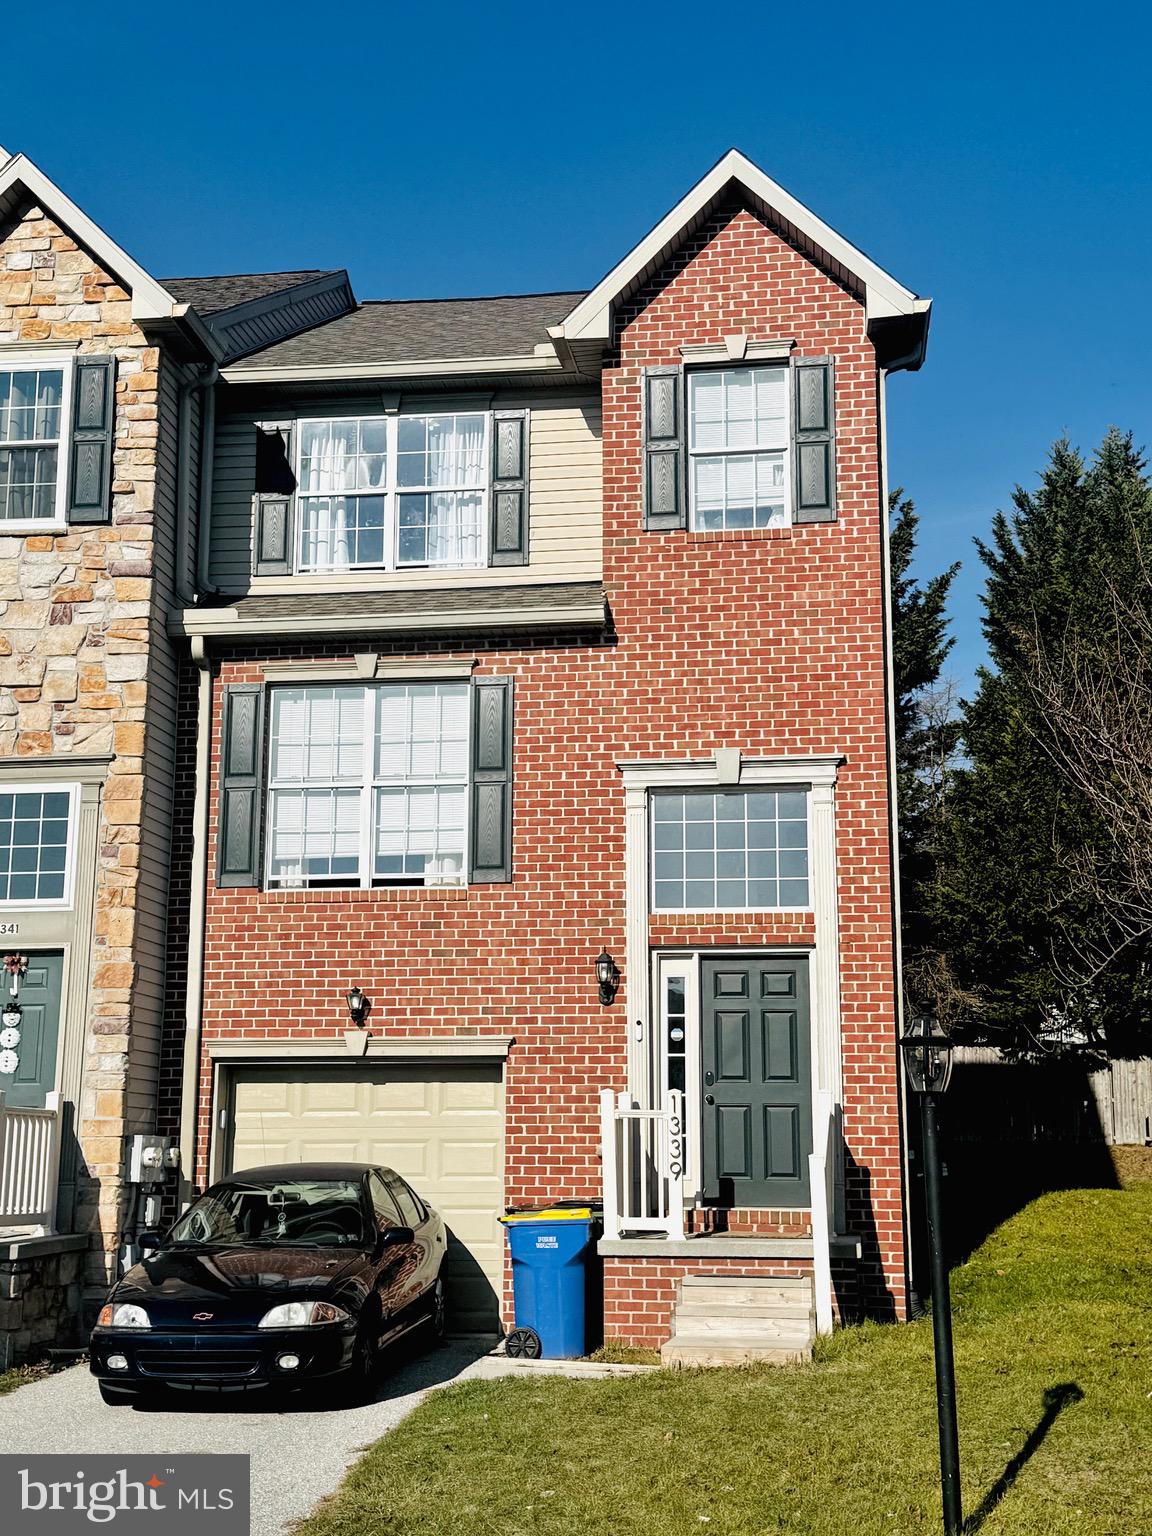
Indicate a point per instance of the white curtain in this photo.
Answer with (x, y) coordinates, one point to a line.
(328, 471)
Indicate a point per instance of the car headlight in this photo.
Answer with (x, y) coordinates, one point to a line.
(123, 1314)
(301, 1314)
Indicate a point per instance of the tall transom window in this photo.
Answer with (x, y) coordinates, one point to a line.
(738, 447)
(32, 428)
(392, 491)
(368, 785)
(729, 850)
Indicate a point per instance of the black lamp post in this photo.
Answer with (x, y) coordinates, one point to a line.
(928, 1060)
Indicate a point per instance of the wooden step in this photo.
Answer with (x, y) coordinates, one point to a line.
(766, 1320)
(778, 1334)
(726, 1349)
(794, 1312)
(708, 1291)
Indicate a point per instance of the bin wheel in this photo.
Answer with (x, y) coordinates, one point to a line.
(523, 1344)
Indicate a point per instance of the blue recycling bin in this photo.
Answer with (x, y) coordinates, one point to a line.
(550, 1252)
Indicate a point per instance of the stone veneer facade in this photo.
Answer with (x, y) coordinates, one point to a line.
(78, 624)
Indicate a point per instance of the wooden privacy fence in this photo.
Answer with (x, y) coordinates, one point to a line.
(1054, 1100)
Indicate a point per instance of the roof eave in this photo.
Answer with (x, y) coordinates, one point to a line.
(432, 367)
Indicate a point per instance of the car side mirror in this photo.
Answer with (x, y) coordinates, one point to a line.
(394, 1237)
(148, 1242)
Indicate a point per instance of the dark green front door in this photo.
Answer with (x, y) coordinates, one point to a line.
(39, 998)
(757, 1081)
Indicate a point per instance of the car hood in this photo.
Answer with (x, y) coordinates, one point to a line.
(233, 1286)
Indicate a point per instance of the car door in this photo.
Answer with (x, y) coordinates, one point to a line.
(396, 1280)
(429, 1230)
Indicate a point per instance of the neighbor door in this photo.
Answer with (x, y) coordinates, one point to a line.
(39, 999)
(756, 1081)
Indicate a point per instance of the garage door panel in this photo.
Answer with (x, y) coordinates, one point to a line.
(440, 1127)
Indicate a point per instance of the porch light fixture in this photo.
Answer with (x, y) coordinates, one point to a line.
(608, 978)
(357, 1005)
(927, 1052)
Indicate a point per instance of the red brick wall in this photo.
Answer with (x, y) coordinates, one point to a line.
(768, 641)
(640, 1294)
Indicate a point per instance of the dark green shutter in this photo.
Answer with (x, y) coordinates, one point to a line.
(813, 433)
(241, 785)
(490, 854)
(273, 524)
(664, 448)
(90, 450)
(510, 488)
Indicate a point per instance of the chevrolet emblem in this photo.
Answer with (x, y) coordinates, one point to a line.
(202, 1317)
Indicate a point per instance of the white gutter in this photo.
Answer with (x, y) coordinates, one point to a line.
(194, 979)
(228, 622)
(405, 369)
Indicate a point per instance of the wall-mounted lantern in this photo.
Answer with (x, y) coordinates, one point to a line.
(608, 978)
(357, 1006)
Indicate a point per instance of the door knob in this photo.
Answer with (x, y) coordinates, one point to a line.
(709, 1098)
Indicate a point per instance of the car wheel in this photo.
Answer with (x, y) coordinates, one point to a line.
(117, 1397)
(438, 1320)
(360, 1377)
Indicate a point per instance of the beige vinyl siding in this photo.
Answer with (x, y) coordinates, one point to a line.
(565, 521)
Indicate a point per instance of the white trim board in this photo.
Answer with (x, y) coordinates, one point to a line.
(729, 767)
(884, 296)
(381, 1049)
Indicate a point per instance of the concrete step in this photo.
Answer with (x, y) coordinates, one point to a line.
(744, 1322)
(794, 1312)
(725, 1349)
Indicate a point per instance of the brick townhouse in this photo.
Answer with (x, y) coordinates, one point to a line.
(530, 674)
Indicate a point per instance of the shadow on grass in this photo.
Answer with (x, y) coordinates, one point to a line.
(1056, 1399)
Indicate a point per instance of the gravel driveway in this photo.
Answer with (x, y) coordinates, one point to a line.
(299, 1453)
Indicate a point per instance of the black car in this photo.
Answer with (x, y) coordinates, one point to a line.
(276, 1277)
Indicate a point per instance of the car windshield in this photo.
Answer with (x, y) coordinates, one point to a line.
(241, 1214)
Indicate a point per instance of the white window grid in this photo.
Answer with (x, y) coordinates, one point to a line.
(738, 447)
(380, 509)
(35, 441)
(392, 795)
(27, 812)
(730, 850)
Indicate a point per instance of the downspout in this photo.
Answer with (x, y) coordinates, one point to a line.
(204, 380)
(894, 820)
(204, 581)
(194, 983)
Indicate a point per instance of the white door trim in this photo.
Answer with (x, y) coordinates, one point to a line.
(728, 767)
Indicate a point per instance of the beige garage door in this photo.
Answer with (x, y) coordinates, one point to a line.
(439, 1126)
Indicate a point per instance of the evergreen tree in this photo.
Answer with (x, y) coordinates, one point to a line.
(927, 731)
(1033, 897)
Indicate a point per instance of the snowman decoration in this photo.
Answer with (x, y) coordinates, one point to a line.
(14, 966)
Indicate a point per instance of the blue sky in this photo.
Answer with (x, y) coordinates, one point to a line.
(994, 157)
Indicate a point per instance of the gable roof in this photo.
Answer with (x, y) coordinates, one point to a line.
(396, 331)
(211, 295)
(891, 309)
(20, 180)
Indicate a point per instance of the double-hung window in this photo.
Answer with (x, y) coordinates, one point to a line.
(36, 838)
(388, 492)
(368, 785)
(33, 427)
(738, 447)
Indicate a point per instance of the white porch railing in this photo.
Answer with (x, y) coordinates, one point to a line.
(643, 1151)
(822, 1178)
(29, 1165)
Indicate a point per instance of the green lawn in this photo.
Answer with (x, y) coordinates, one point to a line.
(1054, 1362)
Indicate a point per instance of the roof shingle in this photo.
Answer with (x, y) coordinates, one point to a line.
(210, 295)
(402, 330)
